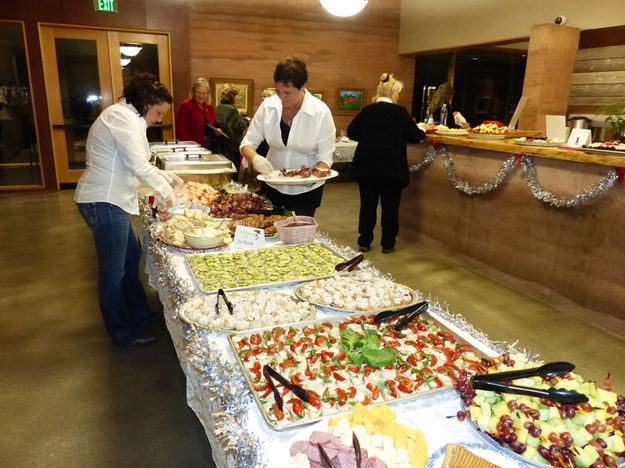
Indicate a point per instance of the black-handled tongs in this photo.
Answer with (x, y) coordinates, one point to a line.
(299, 392)
(551, 369)
(387, 315)
(221, 293)
(350, 264)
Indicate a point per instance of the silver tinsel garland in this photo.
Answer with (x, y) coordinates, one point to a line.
(599, 187)
(529, 171)
(224, 381)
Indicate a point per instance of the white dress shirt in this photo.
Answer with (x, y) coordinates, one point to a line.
(311, 138)
(118, 156)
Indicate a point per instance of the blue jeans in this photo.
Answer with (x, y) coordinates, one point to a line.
(122, 299)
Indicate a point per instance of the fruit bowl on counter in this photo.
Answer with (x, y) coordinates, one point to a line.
(489, 130)
(544, 432)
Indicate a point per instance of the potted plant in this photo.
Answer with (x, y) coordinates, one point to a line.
(615, 118)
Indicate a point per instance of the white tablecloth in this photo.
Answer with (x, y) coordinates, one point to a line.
(344, 151)
(434, 414)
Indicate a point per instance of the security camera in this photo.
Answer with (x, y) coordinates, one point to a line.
(560, 20)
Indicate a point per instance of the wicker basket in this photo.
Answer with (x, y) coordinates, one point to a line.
(297, 234)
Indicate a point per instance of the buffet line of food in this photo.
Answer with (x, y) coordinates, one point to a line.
(493, 130)
(323, 344)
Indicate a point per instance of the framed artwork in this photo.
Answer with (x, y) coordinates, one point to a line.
(245, 99)
(318, 93)
(350, 100)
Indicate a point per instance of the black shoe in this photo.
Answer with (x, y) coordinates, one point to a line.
(387, 251)
(139, 341)
(364, 248)
(142, 341)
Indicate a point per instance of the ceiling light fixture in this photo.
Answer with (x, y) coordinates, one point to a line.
(125, 61)
(344, 7)
(130, 50)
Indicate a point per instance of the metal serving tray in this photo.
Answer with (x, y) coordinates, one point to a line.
(168, 146)
(262, 285)
(186, 161)
(347, 408)
(604, 151)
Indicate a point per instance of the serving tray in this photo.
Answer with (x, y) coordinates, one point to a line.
(487, 136)
(246, 344)
(603, 151)
(208, 302)
(296, 180)
(415, 297)
(235, 278)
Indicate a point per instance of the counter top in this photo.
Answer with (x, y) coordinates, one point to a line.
(508, 146)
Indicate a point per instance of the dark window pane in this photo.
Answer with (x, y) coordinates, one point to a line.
(80, 93)
(19, 154)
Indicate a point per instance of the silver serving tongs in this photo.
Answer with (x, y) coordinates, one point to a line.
(551, 369)
(221, 293)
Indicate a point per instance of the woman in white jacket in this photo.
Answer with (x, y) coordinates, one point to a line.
(118, 157)
(300, 132)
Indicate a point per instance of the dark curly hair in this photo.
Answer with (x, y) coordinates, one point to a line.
(145, 90)
(291, 71)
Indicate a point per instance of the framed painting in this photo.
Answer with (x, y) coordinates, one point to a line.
(245, 99)
(318, 93)
(350, 100)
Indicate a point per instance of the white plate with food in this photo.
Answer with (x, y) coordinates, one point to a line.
(347, 294)
(494, 455)
(487, 136)
(529, 141)
(278, 178)
(451, 132)
(250, 309)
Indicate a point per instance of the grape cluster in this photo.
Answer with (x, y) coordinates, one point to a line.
(463, 386)
(557, 455)
(506, 436)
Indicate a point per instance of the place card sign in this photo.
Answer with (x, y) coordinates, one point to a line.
(579, 137)
(245, 236)
(105, 5)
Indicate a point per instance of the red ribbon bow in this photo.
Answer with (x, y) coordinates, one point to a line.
(518, 159)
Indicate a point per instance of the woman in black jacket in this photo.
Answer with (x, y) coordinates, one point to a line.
(380, 162)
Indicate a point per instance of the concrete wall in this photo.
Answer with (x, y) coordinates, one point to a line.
(429, 26)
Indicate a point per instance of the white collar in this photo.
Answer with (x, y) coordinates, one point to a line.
(308, 106)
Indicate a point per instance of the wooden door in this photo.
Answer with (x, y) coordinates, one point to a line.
(84, 74)
(153, 57)
(77, 74)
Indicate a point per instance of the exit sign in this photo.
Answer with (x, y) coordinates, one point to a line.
(105, 5)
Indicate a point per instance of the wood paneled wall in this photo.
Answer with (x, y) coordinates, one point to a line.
(598, 79)
(242, 39)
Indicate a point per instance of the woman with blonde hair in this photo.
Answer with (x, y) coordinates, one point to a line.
(194, 112)
(380, 164)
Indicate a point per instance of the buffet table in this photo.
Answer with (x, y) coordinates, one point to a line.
(546, 220)
(218, 393)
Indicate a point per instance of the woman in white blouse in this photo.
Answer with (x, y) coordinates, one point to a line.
(118, 157)
(300, 132)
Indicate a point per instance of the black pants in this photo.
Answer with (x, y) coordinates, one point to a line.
(388, 192)
(303, 204)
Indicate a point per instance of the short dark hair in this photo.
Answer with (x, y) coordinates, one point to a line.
(145, 90)
(291, 71)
